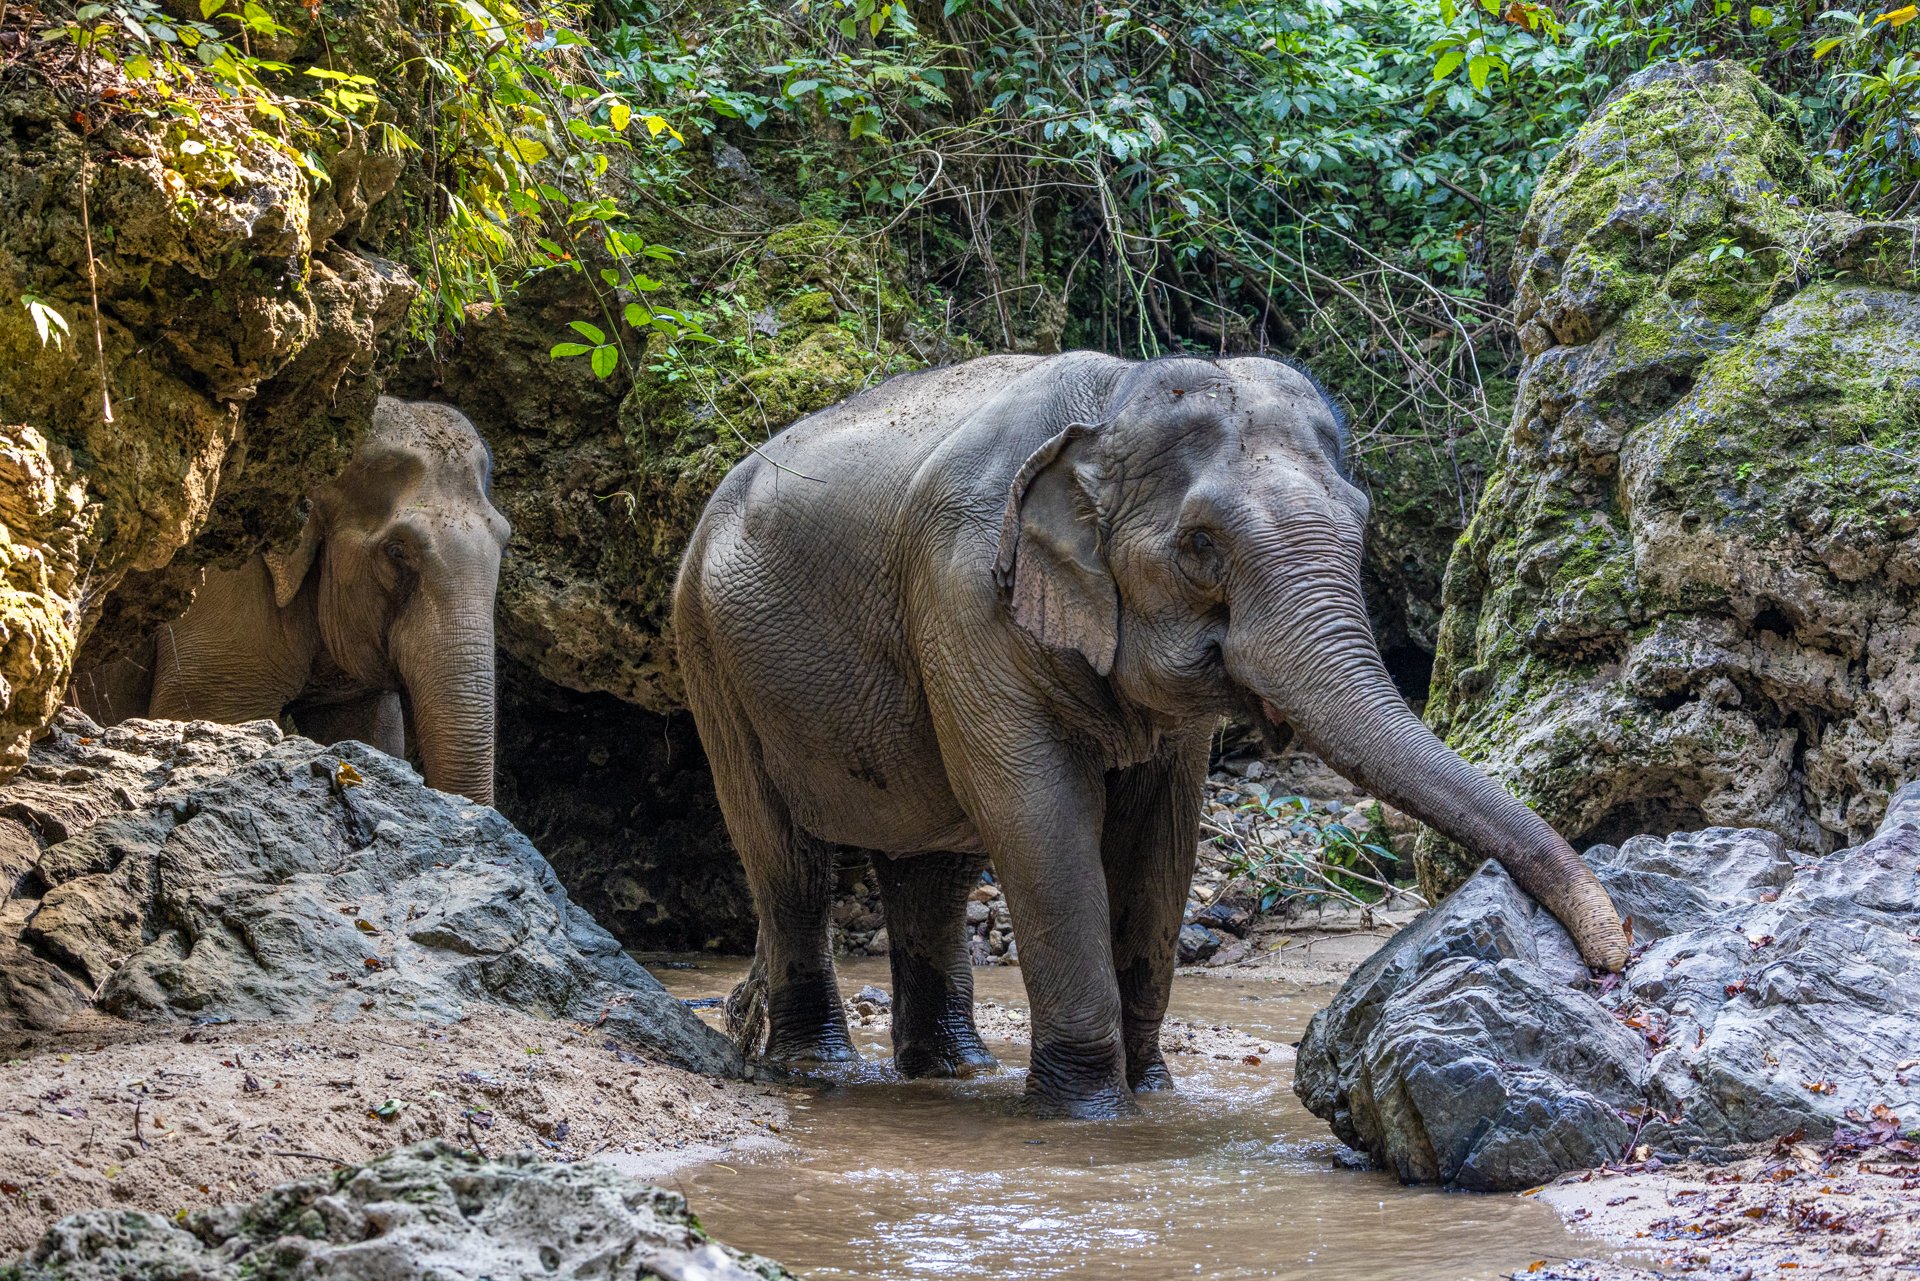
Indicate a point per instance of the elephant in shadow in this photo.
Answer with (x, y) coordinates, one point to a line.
(996, 610)
(377, 625)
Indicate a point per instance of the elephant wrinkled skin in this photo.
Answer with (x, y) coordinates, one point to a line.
(996, 610)
(378, 623)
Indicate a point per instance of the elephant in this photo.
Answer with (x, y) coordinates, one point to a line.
(379, 619)
(995, 610)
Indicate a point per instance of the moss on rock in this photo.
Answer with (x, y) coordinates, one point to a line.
(1688, 594)
(604, 479)
(224, 328)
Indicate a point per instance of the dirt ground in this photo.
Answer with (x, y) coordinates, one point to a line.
(1848, 1208)
(165, 1117)
(1319, 948)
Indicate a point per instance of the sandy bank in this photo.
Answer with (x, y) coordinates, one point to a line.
(163, 1117)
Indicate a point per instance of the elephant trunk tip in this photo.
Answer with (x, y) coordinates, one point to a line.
(1595, 924)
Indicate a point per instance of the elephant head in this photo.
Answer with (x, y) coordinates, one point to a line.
(1198, 540)
(406, 548)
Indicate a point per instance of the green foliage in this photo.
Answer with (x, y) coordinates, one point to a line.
(502, 106)
(1339, 178)
(1288, 851)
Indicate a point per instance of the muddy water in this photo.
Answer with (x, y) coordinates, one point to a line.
(1230, 1177)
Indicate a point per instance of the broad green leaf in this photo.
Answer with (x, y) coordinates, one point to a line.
(604, 361)
(1477, 69)
(1449, 62)
(593, 333)
(561, 349)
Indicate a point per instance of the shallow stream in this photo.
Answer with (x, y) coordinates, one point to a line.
(1228, 1178)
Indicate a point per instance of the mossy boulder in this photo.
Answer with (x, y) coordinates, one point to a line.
(1688, 595)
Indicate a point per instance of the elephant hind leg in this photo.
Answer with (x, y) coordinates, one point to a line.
(925, 900)
(791, 877)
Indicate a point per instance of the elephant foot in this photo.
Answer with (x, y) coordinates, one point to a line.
(1102, 1105)
(804, 1051)
(945, 1059)
(1150, 1078)
(1080, 1083)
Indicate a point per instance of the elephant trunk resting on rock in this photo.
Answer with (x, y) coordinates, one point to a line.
(381, 616)
(996, 610)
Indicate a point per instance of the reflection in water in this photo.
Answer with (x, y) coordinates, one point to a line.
(1230, 1177)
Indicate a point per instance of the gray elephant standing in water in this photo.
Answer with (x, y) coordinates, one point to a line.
(381, 614)
(997, 609)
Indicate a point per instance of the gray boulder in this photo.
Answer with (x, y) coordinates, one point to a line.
(200, 871)
(1768, 992)
(428, 1211)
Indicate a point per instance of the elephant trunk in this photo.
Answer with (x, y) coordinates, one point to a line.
(446, 667)
(1304, 649)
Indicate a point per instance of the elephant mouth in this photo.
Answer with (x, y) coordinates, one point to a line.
(1275, 732)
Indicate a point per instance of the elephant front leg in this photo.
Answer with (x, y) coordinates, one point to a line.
(925, 898)
(1151, 837)
(1043, 830)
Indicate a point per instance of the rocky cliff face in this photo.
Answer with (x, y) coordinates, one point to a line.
(228, 316)
(603, 479)
(1689, 593)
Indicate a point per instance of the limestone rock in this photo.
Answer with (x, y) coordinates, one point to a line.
(1768, 991)
(1691, 593)
(198, 871)
(427, 1211)
(223, 414)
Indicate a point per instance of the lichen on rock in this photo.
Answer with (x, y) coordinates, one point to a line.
(1688, 595)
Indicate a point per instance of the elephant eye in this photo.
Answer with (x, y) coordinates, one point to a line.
(1200, 542)
(398, 551)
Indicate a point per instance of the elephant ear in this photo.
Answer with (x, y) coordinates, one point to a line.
(1062, 593)
(289, 569)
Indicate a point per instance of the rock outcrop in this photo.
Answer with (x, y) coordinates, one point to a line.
(226, 315)
(196, 871)
(1769, 991)
(1689, 594)
(603, 479)
(430, 1210)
